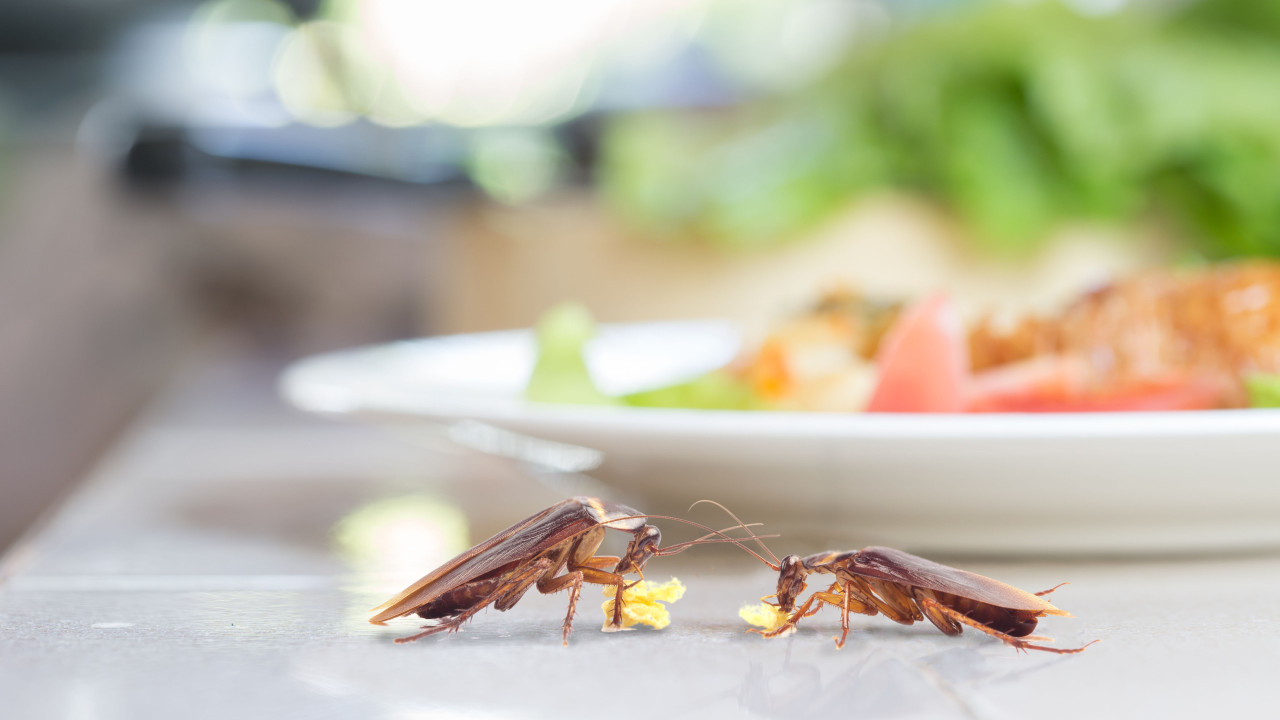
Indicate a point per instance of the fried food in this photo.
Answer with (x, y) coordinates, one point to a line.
(1219, 324)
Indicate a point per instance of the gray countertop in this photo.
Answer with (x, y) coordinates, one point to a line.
(196, 575)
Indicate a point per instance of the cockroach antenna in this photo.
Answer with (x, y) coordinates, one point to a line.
(712, 536)
(776, 564)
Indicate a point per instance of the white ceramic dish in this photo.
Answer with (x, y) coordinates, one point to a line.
(1116, 483)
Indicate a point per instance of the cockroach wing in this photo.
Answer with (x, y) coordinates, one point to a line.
(518, 543)
(901, 567)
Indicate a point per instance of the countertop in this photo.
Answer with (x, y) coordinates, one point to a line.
(206, 569)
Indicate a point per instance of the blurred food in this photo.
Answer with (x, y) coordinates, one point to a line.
(1180, 339)
(821, 360)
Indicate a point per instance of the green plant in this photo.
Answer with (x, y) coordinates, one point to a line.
(1016, 117)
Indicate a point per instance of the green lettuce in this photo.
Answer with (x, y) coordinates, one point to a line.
(1264, 390)
(560, 374)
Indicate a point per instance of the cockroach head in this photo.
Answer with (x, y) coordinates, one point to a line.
(791, 575)
(644, 546)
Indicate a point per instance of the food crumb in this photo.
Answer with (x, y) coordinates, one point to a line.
(769, 617)
(643, 604)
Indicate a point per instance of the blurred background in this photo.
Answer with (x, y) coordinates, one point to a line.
(240, 183)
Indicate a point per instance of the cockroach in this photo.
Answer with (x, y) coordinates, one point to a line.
(532, 553)
(906, 589)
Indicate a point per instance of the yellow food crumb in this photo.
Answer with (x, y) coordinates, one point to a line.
(642, 603)
(767, 616)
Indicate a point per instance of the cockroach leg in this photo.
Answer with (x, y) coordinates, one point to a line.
(1042, 593)
(929, 604)
(831, 592)
(891, 608)
(855, 601)
(810, 607)
(847, 599)
(801, 612)
(604, 563)
(520, 584)
(430, 630)
(604, 577)
(574, 580)
(574, 591)
(933, 610)
(893, 596)
(844, 619)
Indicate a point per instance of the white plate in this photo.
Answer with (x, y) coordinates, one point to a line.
(1114, 483)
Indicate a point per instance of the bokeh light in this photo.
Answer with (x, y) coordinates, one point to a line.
(229, 49)
(399, 537)
(516, 165)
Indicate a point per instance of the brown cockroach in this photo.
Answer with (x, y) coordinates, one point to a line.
(533, 552)
(907, 588)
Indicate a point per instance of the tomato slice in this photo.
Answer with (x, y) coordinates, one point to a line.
(923, 361)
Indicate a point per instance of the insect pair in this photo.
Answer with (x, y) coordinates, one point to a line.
(555, 550)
